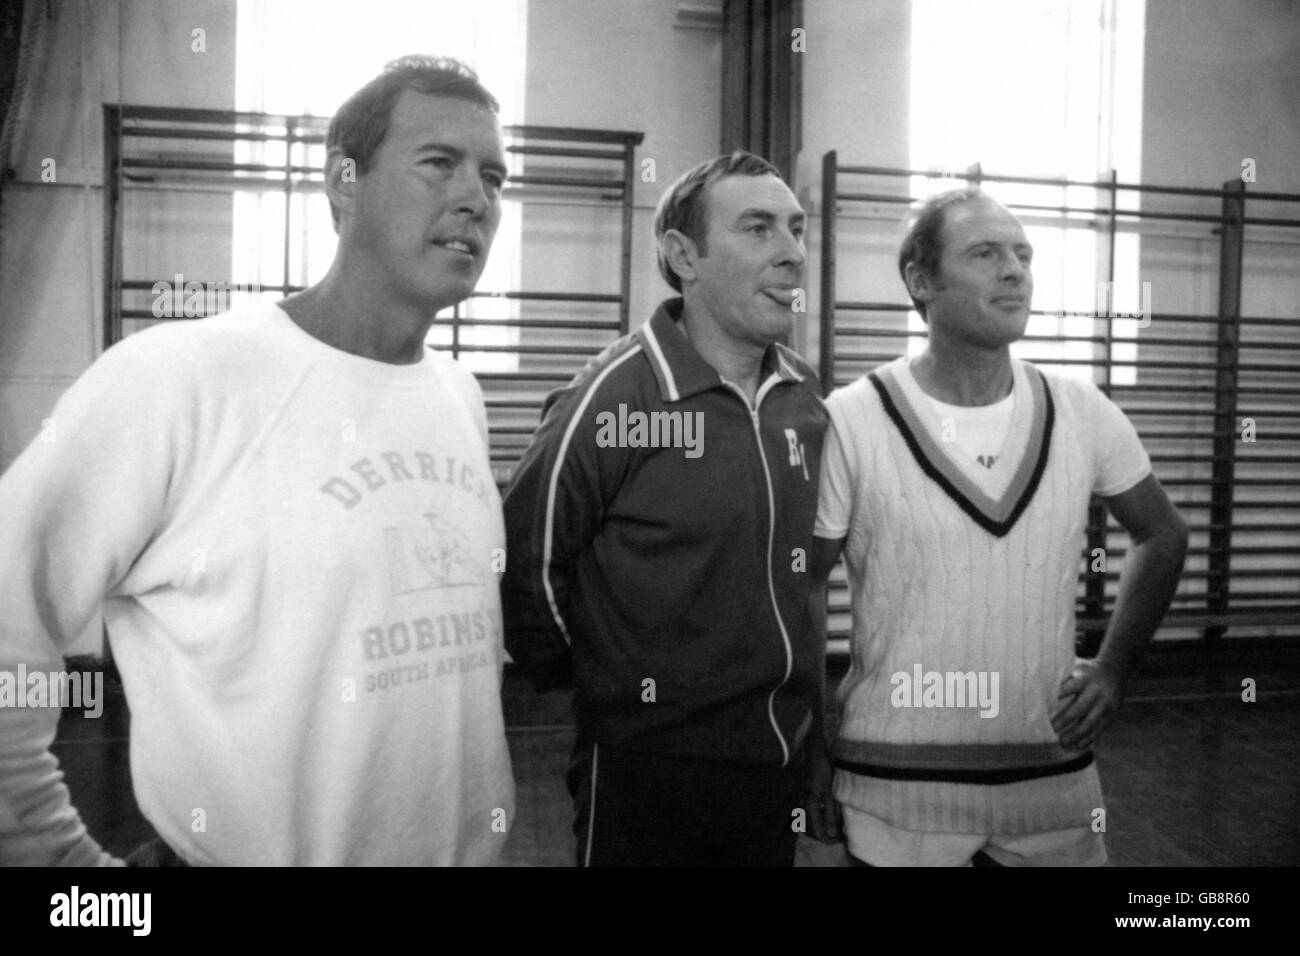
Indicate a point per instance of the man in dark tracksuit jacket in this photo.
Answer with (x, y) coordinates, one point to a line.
(658, 531)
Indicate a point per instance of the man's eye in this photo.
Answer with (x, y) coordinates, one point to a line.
(495, 180)
(442, 162)
(758, 228)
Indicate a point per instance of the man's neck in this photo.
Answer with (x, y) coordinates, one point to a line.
(963, 376)
(740, 363)
(349, 313)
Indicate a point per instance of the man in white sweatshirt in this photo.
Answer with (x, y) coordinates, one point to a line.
(288, 517)
(957, 485)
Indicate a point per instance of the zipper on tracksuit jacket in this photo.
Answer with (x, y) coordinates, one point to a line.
(771, 534)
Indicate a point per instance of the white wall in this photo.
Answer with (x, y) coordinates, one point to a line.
(1222, 83)
(620, 64)
(51, 248)
(855, 90)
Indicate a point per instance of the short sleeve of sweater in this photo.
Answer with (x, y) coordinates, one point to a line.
(1121, 460)
(835, 500)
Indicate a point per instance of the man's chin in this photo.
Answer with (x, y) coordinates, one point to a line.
(447, 297)
(778, 316)
(780, 331)
(1010, 327)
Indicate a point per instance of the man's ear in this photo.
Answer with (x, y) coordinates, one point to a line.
(681, 254)
(920, 284)
(340, 179)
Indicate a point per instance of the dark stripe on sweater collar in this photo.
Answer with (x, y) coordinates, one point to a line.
(996, 516)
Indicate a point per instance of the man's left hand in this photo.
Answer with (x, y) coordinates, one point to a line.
(823, 810)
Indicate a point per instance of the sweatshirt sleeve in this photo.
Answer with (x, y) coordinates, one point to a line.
(553, 510)
(77, 507)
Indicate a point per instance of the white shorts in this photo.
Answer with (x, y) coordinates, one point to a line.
(880, 843)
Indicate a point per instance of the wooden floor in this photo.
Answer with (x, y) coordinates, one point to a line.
(1193, 775)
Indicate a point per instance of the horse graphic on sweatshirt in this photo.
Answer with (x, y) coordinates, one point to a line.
(436, 555)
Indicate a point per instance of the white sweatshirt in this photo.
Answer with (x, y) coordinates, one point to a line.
(297, 553)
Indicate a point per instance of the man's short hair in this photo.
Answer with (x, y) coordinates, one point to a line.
(684, 206)
(924, 243)
(361, 123)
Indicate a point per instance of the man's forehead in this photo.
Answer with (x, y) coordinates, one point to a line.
(733, 195)
(980, 219)
(418, 117)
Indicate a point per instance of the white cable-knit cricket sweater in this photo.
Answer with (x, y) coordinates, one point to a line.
(297, 555)
(962, 603)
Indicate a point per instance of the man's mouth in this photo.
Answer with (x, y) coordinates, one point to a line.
(467, 246)
(781, 296)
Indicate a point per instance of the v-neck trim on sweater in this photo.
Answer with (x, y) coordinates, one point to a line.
(1024, 451)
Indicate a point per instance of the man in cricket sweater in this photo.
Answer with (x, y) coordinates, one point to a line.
(957, 485)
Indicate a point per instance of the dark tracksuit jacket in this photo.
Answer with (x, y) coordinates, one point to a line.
(672, 580)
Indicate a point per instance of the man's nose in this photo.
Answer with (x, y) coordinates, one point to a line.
(1013, 269)
(791, 252)
(470, 193)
